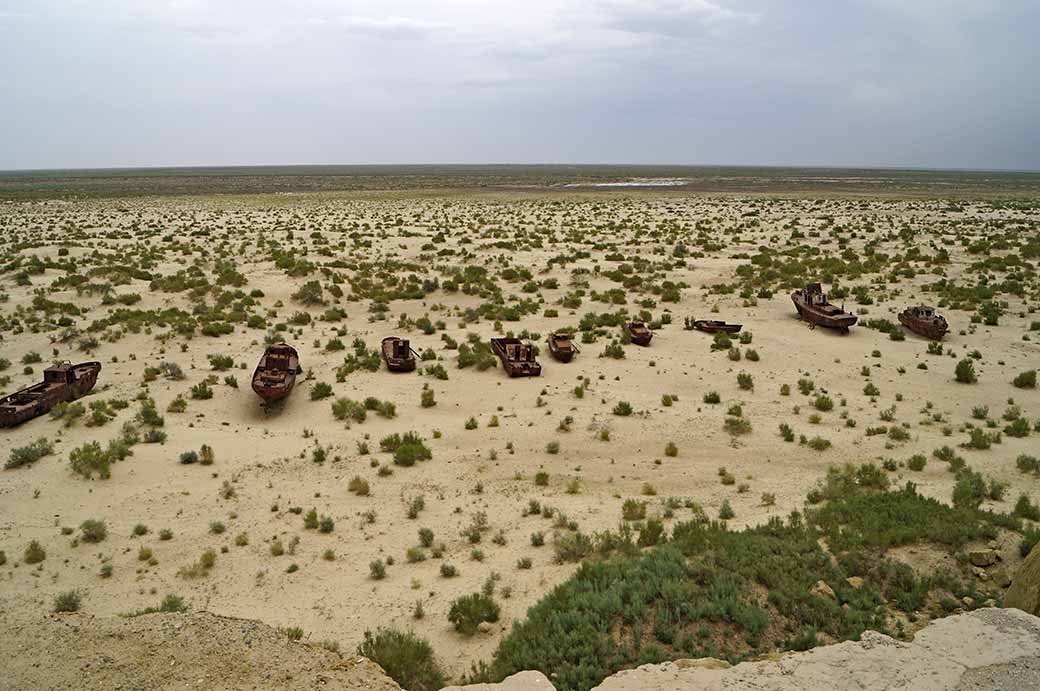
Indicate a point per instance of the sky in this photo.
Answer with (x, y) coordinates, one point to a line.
(904, 83)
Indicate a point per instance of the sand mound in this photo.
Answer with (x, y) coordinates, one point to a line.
(173, 651)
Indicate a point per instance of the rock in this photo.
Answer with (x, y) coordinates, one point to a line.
(1024, 593)
(702, 663)
(1001, 578)
(982, 557)
(855, 581)
(968, 602)
(821, 589)
(986, 649)
(484, 627)
(521, 681)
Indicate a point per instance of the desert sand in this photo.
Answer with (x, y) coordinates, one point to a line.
(267, 457)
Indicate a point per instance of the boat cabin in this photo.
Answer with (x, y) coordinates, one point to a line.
(520, 352)
(64, 373)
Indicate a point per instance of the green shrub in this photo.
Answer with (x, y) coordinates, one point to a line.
(1024, 508)
(343, 408)
(1027, 464)
(69, 601)
(320, 391)
(969, 491)
(89, 459)
(406, 658)
(93, 531)
(27, 455)
(1025, 380)
(737, 426)
(745, 381)
(823, 403)
(221, 362)
(469, 611)
(965, 372)
(34, 553)
(623, 408)
(633, 510)
(571, 547)
(712, 398)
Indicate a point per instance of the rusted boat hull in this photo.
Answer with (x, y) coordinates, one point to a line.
(639, 334)
(275, 375)
(813, 307)
(713, 326)
(61, 384)
(933, 328)
(517, 358)
(397, 354)
(562, 349)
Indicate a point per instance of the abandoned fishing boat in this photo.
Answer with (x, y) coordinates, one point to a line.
(61, 383)
(713, 326)
(276, 372)
(562, 346)
(812, 306)
(639, 333)
(398, 354)
(924, 321)
(518, 358)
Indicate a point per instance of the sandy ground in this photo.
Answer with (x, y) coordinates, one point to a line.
(267, 456)
(198, 650)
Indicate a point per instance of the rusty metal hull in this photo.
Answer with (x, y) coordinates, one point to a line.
(275, 374)
(639, 333)
(813, 307)
(931, 325)
(562, 347)
(712, 326)
(397, 354)
(517, 358)
(61, 383)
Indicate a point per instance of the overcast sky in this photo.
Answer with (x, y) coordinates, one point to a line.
(922, 83)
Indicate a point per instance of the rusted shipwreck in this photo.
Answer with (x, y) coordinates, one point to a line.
(398, 354)
(518, 358)
(275, 375)
(811, 303)
(61, 383)
(713, 326)
(924, 321)
(562, 346)
(639, 333)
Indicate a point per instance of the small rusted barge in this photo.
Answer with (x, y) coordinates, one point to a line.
(275, 375)
(562, 346)
(924, 321)
(62, 382)
(518, 358)
(811, 303)
(713, 326)
(398, 354)
(639, 333)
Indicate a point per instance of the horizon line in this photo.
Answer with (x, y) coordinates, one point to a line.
(202, 167)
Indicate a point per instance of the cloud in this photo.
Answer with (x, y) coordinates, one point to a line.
(392, 27)
(103, 82)
(671, 18)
